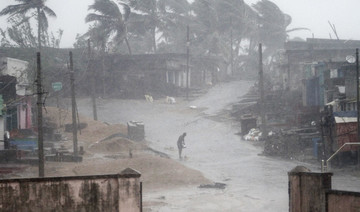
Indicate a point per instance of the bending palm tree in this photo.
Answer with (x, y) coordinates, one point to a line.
(109, 20)
(25, 6)
(161, 19)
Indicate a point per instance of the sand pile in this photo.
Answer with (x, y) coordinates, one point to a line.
(108, 152)
(156, 172)
(115, 145)
(93, 132)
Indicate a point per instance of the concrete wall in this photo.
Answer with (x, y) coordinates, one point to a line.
(17, 68)
(342, 201)
(307, 190)
(119, 192)
(311, 192)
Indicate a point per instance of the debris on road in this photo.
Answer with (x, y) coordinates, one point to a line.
(215, 185)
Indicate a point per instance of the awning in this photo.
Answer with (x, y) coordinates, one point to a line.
(339, 120)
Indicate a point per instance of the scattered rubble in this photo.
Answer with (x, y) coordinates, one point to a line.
(253, 135)
(214, 185)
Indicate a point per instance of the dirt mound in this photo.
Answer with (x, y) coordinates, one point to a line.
(93, 132)
(114, 145)
(156, 172)
(108, 153)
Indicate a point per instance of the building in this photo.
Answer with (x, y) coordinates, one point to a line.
(156, 74)
(16, 102)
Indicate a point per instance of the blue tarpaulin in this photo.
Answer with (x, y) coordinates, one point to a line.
(345, 114)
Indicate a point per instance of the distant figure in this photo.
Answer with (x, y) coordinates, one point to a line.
(181, 143)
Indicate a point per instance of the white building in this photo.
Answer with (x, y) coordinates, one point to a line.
(16, 68)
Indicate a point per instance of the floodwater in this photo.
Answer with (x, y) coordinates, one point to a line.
(254, 182)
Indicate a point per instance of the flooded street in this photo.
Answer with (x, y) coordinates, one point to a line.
(254, 182)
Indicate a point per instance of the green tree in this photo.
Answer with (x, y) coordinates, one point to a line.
(205, 28)
(218, 24)
(41, 12)
(159, 21)
(272, 26)
(236, 18)
(175, 17)
(109, 23)
(20, 34)
(148, 18)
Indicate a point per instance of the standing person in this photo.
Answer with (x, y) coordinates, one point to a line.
(181, 143)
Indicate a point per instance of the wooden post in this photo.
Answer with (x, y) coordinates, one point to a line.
(141, 197)
(39, 118)
(73, 106)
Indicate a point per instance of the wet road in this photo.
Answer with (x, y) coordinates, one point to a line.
(254, 182)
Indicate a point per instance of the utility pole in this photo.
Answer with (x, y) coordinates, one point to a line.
(39, 118)
(288, 72)
(187, 61)
(231, 49)
(73, 106)
(93, 79)
(261, 87)
(357, 102)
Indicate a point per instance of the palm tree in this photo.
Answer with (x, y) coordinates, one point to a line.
(109, 22)
(160, 19)
(273, 25)
(175, 17)
(210, 28)
(41, 13)
(148, 19)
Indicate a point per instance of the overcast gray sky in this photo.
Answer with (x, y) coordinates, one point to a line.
(312, 14)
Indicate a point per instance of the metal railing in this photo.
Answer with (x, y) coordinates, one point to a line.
(325, 164)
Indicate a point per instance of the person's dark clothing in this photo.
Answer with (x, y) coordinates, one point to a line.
(181, 143)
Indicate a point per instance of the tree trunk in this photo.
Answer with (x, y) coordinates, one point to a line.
(128, 45)
(153, 32)
(39, 29)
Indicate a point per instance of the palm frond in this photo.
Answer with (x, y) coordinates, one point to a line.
(49, 12)
(44, 24)
(127, 10)
(297, 29)
(105, 7)
(96, 17)
(109, 21)
(15, 9)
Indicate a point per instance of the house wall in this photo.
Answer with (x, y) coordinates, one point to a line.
(345, 133)
(313, 85)
(160, 74)
(350, 83)
(119, 192)
(315, 50)
(16, 68)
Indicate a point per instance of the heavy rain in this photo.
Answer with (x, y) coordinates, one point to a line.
(179, 105)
